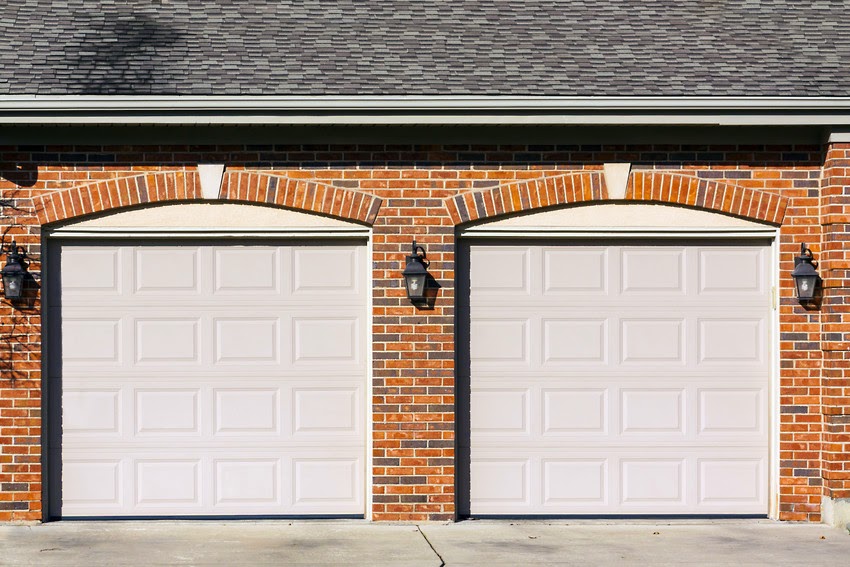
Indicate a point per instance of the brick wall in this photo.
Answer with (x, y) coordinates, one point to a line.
(422, 192)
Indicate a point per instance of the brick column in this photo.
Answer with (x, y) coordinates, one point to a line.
(835, 270)
(800, 482)
(20, 368)
(413, 364)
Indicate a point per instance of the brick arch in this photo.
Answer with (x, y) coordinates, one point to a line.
(301, 195)
(716, 196)
(644, 186)
(526, 196)
(238, 186)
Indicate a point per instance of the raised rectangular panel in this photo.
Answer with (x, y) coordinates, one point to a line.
(503, 411)
(91, 411)
(575, 410)
(247, 340)
(575, 340)
(166, 269)
(253, 481)
(653, 270)
(166, 411)
(167, 340)
(246, 411)
(579, 481)
(91, 340)
(499, 269)
(326, 481)
(246, 269)
(731, 410)
(325, 340)
(652, 411)
(90, 270)
(324, 410)
(652, 481)
(731, 481)
(575, 270)
(653, 341)
(324, 270)
(731, 270)
(505, 481)
(167, 482)
(91, 482)
(730, 341)
(494, 340)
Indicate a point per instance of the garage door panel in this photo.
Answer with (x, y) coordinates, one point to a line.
(92, 411)
(247, 482)
(732, 269)
(500, 342)
(652, 271)
(574, 482)
(240, 340)
(93, 483)
(652, 341)
(170, 411)
(326, 340)
(168, 270)
(167, 340)
(731, 481)
(568, 341)
(734, 341)
(649, 398)
(232, 384)
(582, 411)
(94, 270)
(327, 484)
(500, 270)
(501, 483)
(256, 271)
(561, 276)
(167, 482)
(652, 410)
(324, 271)
(501, 411)
(92, 340)
(733, 410)
(246, 411)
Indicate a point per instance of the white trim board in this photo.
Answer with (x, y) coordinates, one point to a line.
(436, 110)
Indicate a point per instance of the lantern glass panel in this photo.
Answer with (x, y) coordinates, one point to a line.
(13, 285)
(806, 286)
(416, 285)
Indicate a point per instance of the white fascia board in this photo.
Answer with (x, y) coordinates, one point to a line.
(436, 110)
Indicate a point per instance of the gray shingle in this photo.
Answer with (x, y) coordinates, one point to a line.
(426, 47)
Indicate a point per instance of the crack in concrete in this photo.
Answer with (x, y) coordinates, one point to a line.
(428, 541)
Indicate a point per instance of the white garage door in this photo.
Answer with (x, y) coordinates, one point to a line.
(619, 379)
(212, 379)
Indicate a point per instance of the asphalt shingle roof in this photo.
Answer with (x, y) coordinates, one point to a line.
(426, 47)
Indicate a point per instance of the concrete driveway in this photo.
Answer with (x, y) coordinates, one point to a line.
(561, 542)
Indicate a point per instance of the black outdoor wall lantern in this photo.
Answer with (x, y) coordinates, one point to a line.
(14, 272)
(416, 275)
(805, 275)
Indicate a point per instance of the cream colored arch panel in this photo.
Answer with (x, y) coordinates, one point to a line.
(620, 216)
(211, 216)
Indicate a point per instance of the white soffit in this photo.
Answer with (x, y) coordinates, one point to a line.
(212, 216)
(622, 216)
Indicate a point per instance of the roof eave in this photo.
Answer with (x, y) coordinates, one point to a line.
(424, 110)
